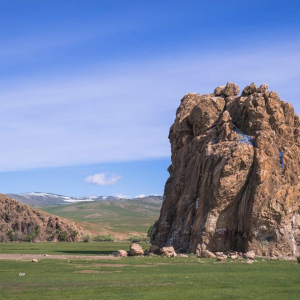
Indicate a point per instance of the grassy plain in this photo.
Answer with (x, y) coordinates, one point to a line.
(122, 218)
(141, 277)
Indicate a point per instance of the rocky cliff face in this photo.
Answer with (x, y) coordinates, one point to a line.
(22, 222)
(234, 180)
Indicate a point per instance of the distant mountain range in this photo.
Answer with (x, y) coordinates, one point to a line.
(49, 199)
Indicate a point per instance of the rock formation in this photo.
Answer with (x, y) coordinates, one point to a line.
(21, 222)
(234, 179)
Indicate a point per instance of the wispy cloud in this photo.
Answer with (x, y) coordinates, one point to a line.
(102, 179)
(95, 117)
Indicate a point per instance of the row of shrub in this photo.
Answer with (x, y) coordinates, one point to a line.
(111, 238)
(63, 236)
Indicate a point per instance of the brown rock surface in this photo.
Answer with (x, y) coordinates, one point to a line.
(136, 249)
(154, 249)
(168, 251)
(234, 179)
(207, 254)
(120, 253)
(20, 221)
(249, 254)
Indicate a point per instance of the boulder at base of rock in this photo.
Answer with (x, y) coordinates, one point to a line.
(221, 258)
(207, 254)
(298, 259)
(168, 251)
(154, 249)
(120, 253)
(249, 255)
(136, 249)
(182, 255)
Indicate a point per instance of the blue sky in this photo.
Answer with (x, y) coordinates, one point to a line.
(89, 89)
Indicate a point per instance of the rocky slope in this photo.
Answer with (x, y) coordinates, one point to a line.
(22, 222)
(234, 179)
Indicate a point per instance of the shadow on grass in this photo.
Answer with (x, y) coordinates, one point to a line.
(84, 252)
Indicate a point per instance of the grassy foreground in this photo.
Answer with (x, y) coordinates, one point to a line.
(142, 277)
(65, 248)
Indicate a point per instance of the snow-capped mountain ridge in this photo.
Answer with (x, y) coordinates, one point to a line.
(48, 199)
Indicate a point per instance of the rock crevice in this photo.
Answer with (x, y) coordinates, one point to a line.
(234, 179)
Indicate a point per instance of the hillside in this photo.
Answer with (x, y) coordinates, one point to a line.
(122, 217)
(21, 222)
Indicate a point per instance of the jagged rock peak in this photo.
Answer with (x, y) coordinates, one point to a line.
(234, 179)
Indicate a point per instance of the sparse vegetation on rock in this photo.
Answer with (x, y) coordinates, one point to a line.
(19, 222)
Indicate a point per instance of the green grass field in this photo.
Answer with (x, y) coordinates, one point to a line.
(141, 277)
(121, 218)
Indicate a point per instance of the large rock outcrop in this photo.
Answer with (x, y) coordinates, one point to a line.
(21, 222)
(234, 179)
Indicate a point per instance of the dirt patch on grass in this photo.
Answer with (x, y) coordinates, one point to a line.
(121, 265)
(93, 216)
(110, 265)
(70, 209)
(92, 272)
(28, 257)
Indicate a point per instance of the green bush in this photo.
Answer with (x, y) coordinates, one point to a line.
(62, 236)
(150, 231)
(12, 235)
(104, 238)
(138, 238)
(3, 238)
(87, 238)
(74, 235)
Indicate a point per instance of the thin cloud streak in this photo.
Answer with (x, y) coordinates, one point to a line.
(94, 118)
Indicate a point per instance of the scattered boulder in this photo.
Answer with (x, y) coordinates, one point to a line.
(21, 274)
(120, 253)
(34, 260)
(136, 249)
(249, 255)
(207, 254)
(249, 261)
(168, 251)
(182, 255)
(154, 249)
(221, 258)
(233, 256)
(234, 178)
